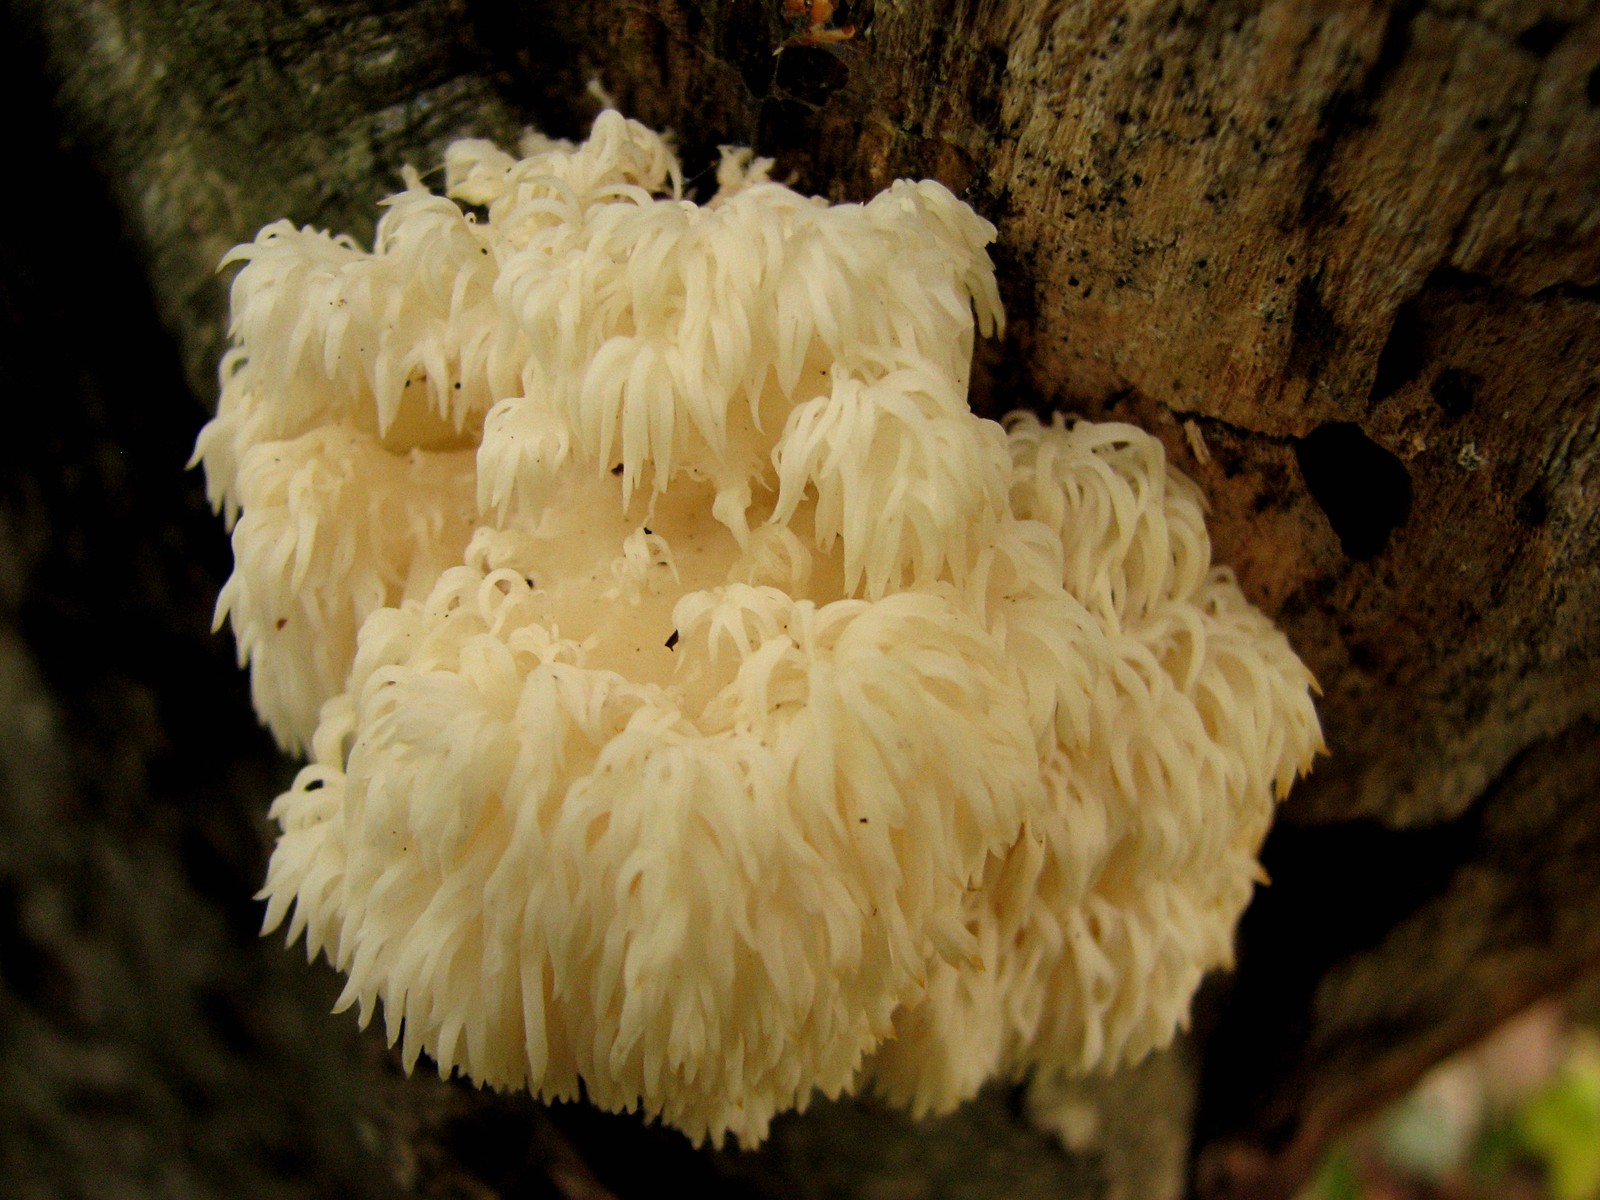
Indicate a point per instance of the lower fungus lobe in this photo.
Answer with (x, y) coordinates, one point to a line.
(1363, 489)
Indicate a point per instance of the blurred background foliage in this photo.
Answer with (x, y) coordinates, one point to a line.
(1516, 1117)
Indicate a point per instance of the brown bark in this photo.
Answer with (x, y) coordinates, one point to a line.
(1342, 255)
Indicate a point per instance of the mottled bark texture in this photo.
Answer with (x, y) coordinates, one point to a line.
(1342, 255)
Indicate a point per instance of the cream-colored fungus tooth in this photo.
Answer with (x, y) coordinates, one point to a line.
(703, 704)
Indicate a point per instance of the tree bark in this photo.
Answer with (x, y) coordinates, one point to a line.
(1341, 255)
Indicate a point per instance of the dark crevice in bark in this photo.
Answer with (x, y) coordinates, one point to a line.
(1314, 334)
(1587, 293)
(1209, 422)
(1403, 356)
(535, 61)
(1455, 392)
(1363, 489)
(1488, 890)
(1543, 36)
(1336, 890)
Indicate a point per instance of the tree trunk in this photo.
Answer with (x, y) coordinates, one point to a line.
(1340, 255)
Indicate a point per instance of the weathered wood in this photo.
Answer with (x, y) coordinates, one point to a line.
(1342, 255)
(1497, 913)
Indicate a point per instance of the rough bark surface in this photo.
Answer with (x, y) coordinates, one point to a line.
(1342, 255)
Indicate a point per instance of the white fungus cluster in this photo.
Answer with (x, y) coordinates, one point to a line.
(702, 703)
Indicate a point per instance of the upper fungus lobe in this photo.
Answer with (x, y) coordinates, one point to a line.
(703, 705)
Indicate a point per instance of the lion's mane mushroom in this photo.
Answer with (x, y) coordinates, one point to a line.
(703, 704)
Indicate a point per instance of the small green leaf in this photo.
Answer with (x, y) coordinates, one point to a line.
(1561, 1125)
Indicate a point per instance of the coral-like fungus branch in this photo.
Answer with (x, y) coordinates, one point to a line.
(703, 704)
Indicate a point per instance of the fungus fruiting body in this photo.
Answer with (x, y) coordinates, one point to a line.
(701, 702)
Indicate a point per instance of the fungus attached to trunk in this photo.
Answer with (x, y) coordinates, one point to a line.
(702, 703)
